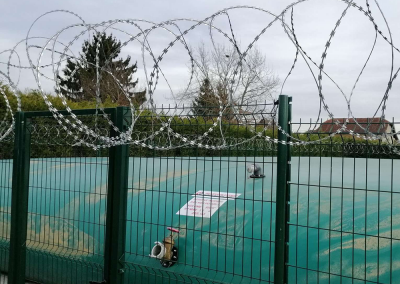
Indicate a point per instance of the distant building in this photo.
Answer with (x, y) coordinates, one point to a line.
(267, 123)
(373, 125)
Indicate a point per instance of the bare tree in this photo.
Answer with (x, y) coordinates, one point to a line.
(248, 80)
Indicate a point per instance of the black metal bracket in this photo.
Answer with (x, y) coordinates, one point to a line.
(257, 176)
(174, 259)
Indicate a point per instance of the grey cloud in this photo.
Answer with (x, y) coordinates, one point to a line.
(313, 19)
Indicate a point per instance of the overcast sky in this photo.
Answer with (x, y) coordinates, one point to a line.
(314, 20)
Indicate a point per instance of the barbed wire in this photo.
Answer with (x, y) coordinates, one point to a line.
(94, 138)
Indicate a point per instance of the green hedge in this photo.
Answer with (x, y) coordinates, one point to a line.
(54, 142)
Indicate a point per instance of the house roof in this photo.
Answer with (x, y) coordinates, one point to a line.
(374, 125)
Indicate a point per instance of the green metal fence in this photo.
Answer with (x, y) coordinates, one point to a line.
(344, 209)
(6, 150)
(234, 245)
(324, 212)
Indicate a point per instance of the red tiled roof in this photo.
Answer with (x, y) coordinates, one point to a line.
(374, 125)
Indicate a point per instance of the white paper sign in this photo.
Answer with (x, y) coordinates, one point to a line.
(206, 203)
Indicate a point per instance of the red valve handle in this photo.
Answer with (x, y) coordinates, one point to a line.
(173, 230)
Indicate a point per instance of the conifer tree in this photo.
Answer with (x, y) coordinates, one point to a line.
(207, 102)
(116, 78)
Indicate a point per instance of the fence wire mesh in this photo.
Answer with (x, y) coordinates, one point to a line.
(6, 155)
(67, 205)
(343, 224)
(234, 244)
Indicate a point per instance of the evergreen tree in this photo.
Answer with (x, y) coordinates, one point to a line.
(82, 84)
(208, 101)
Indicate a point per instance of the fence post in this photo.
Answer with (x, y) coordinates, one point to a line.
(116, 203)
(282, 192)
(19, 201)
